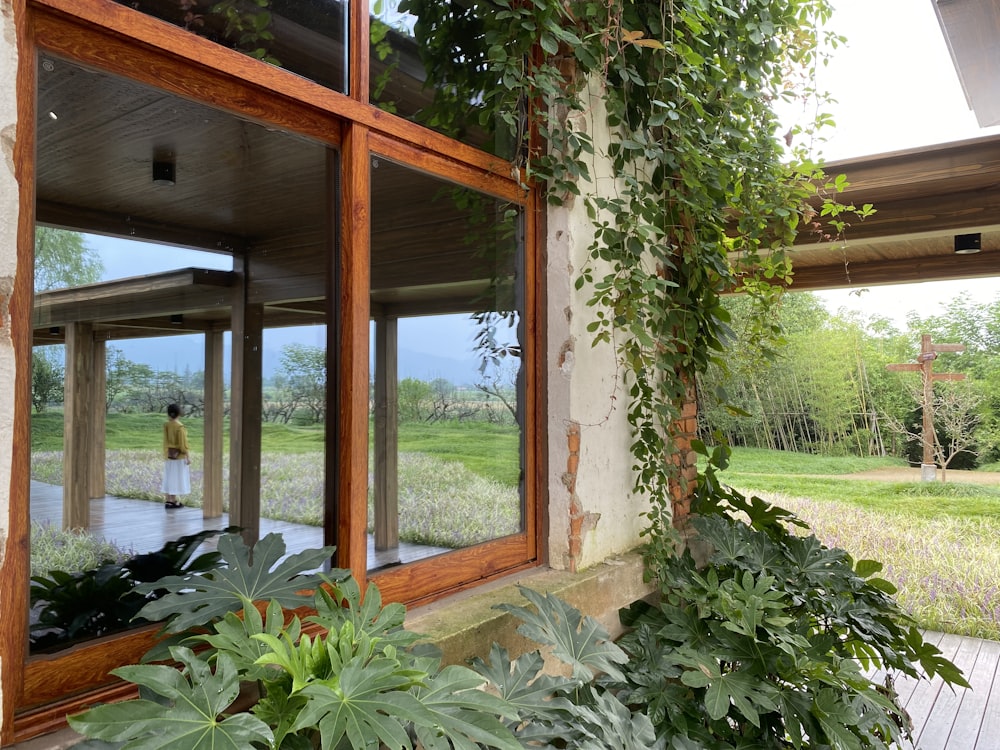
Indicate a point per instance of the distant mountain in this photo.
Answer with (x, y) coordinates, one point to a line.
(183, 353)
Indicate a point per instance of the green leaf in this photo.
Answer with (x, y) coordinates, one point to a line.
(366, 704)
(189, 717)
(867, 568)
(462, 714)
(580, 642)
(195, 600)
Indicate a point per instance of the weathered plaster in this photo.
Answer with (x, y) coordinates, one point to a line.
(593, 513)
(8, 264)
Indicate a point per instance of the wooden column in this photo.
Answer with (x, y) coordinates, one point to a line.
(76, 427)
(215, 396)
(245, 410)
(98, 420)
(350, 273)
(386, 489)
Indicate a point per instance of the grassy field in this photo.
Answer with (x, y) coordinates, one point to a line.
(937, 540)
(485, 449)
(458, 485)
(458, 481)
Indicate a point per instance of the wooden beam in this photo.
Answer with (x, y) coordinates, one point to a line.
(901, 271)
(98, 414)
(245, 413)
(941, 211)
(79, 219)
(149, 296)
(351, 273)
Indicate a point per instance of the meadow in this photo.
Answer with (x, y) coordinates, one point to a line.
(938, 541)
(458, 481)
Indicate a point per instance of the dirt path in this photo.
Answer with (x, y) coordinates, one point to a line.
(913, 475)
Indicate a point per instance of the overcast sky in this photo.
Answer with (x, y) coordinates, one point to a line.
(896, 88)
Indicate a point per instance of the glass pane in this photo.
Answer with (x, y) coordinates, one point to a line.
(164, 226)
(447, 383)
(429, 65)
(307, 37)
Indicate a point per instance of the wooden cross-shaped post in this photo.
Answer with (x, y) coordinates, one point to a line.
(925, 365)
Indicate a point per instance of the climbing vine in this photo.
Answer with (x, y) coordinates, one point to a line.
(706, 195)
(705, 199)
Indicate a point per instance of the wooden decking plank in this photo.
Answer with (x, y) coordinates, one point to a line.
(966, 730)
(921, 701)
(937, 727)
(989, 728)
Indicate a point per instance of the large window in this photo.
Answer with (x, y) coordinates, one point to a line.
(446, 302)
(339, 311)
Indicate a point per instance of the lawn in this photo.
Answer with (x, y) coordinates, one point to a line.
(937, 540)
(458, 482)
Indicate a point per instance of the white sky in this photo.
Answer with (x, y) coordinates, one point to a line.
(896, 88)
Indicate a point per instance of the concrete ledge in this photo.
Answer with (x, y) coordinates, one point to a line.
(467, 624)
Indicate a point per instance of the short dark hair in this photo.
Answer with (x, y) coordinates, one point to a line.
(173, 411)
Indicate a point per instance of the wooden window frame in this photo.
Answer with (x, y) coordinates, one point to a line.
(38, 693)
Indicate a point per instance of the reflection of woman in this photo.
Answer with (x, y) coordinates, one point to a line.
(177, 462)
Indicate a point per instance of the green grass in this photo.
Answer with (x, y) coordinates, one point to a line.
(488, 450)
(914, 499)
(763, 461)
(937, 540)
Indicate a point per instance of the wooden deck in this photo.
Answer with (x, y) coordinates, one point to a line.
(961, 719)
(143, 526)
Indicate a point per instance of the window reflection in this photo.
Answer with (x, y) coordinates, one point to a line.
(142, 286)
(306, 37)
(447, 378)
(429, 64)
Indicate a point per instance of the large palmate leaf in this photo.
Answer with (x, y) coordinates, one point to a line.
(581, 642)
(188, 716)
(522, 684)
(195, 600)
(367, 703)
(461, 715)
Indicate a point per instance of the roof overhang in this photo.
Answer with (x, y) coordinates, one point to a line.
(923, 198)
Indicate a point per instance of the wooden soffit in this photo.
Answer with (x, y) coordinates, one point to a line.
(923, 198)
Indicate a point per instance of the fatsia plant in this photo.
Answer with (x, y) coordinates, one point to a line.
(107, 598)
(771, 641)
(349, 676)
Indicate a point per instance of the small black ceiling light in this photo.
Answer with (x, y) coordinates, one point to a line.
(967, 244)
(164, 170)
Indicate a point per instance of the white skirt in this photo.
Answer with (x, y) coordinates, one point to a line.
(176, 477)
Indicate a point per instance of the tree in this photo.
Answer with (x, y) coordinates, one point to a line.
(415, 397)
(62, 259)
(47, 379)
(304, 368)
(955, 408)
(122, 376)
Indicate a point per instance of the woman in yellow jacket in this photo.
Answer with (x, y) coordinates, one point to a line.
(177, 461)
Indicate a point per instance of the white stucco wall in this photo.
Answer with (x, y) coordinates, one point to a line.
(585, 392)
(8, 262)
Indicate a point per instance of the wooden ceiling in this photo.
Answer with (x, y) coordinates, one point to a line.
(241, 189)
